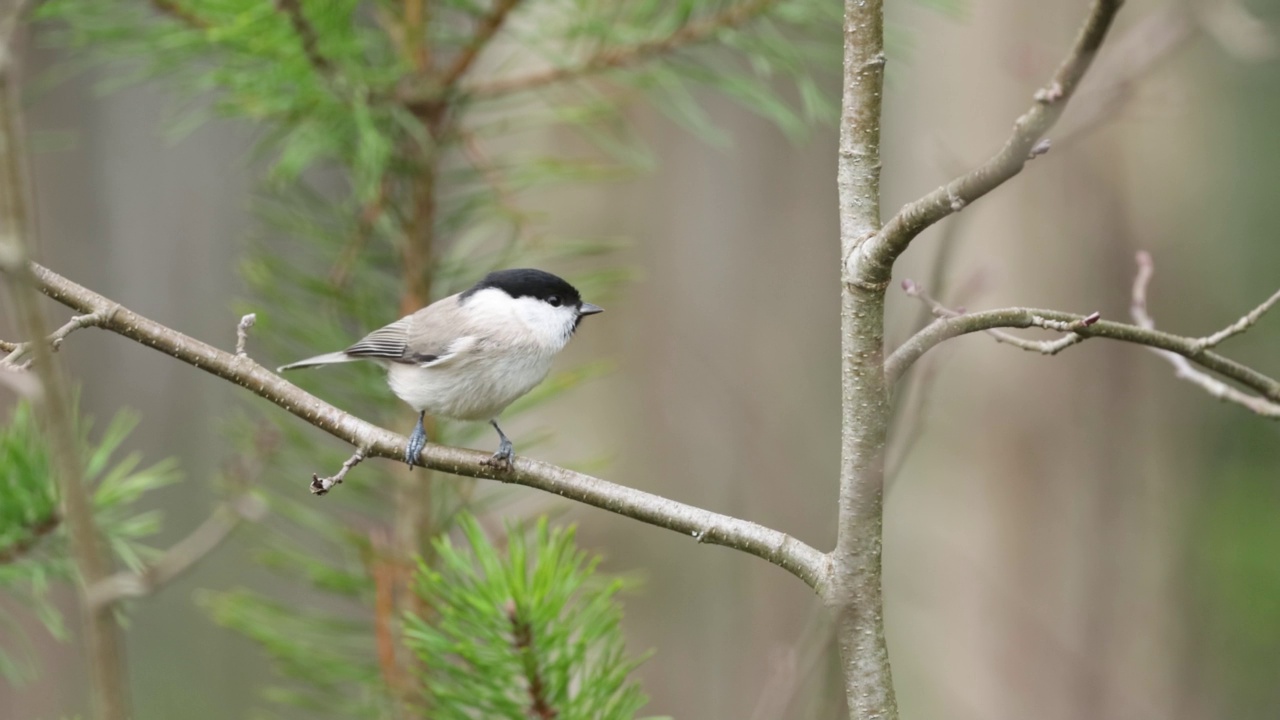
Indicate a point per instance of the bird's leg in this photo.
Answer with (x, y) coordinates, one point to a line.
(417, 441)
(501, 460)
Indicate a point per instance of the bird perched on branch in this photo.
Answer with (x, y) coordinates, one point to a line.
(470, 355)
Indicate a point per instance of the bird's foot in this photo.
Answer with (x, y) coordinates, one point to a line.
(502, 460)
(417, 441)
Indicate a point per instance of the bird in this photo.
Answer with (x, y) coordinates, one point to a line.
(470, 355)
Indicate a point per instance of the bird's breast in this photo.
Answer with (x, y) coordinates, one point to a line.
(477, 386)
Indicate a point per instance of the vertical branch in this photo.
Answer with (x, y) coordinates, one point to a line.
(105, 658)
(853, 590)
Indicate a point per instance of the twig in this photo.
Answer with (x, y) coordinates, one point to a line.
(322, 485)
(1044, 347)
(1234, 328)
(1050, 101)
(242, 333)
(306, 33)
(776, 547)
(947, 328)
(53, 340)
(488, 27)
(1182, 367)
(180, 557)
(35, 532)
(689, 34)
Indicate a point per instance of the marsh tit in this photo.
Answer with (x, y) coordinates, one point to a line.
(472, 354)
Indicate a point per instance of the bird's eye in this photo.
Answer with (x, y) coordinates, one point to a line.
(554, 300)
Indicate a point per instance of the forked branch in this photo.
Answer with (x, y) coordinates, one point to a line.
(1049, 103)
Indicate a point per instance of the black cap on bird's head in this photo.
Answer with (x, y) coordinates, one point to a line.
(537, 284)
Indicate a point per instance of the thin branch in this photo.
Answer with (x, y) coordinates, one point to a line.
(180, 557)
(690, 34)
(306, 33)
(322, 485)
(1182, 367)
(1235, 328)
(945, 329)
(1050, 101)
(54, 340)
(771, 545)
(488, 27)
(36, 531)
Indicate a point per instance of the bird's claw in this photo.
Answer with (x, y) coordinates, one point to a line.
(417, 441)
(502, 460)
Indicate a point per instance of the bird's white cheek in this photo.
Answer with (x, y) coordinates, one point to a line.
(550, 326)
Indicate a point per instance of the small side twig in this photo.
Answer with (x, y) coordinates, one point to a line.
(1244, 323)
(322, 485)
(1183, 369)
(242, 333)
(1044, 347)
(54, 340)
(619, 57)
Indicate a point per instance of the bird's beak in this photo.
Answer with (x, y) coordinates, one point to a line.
(589, 309)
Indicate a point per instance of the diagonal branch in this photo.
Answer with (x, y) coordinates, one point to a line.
(705, 526)
(1050, 101)
(690, 34)
(488, 27)
(306, 33)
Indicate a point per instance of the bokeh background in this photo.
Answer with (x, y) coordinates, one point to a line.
(1082, 536)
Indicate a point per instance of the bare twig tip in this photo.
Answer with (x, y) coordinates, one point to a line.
(242, 332)
(1040, 148)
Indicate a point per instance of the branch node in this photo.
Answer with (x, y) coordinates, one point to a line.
(1050, 94)
(1040, 148)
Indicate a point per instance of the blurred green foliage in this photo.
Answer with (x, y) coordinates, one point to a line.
(528, 631)
(33, 545)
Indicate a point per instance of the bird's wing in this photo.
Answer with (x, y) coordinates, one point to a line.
(431, 336)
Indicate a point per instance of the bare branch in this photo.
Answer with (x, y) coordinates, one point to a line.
(321, 486)
(1234, 328)
(180, 557)
(488, 27)
(614, 58)
(1050, 101)
(54, 340)
(773, 546)
(1269, 408)
(944, 329)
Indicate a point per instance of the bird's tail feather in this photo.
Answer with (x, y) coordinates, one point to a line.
(326, 359)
